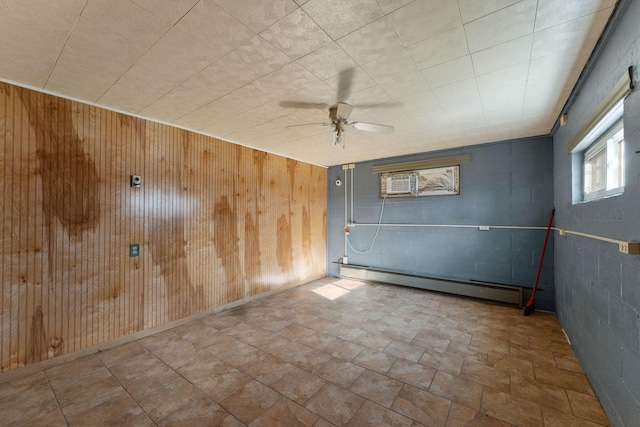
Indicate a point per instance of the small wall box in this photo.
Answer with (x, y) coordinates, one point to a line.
(136, 181)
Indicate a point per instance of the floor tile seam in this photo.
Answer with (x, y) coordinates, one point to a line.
(123, 389)
(335, 385)
(195, 386)
(55, 396)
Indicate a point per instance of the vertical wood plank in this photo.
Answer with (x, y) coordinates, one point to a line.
(217, 222)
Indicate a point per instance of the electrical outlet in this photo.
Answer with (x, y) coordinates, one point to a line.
(624, 248)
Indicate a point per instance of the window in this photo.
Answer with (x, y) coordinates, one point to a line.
(603, 168)
(597, 148)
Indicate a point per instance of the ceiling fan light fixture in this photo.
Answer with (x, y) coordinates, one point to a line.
(337, 140)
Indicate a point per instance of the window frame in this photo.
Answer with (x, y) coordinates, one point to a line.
(605, 142)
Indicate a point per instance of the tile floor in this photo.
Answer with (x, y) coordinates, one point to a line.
(332, 352)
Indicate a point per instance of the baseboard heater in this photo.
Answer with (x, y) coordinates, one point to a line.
(483, 290)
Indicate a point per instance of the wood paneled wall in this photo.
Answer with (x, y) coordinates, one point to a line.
(216, 223)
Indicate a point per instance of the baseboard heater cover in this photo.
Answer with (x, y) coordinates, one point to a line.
(488, 291)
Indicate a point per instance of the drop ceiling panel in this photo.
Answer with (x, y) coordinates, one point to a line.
(213, 27)
(260, 56)
(340, 18)
(33, 34)
(371, 42)
(501, 26)
(443, 47)
(127, 19)
(450, 72)
(503, 56)
(470, 10)
(328, 61)
(92, 60)
(256, 14)
(423, 19)
(296, 35)
(553, 12)
(168, 11)
(444, 73)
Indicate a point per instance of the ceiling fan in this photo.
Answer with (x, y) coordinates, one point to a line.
(339, 113)
(339, 116)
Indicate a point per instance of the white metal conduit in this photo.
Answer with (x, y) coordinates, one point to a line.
(562, 231)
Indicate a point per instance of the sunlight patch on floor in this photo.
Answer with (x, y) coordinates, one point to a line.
(331, 292)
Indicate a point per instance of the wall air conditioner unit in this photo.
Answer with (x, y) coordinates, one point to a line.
(399, 184)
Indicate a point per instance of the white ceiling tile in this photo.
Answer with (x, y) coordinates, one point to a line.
(219, 78)
(42, 14)
(291, 77)
(429, 118)
(340, 18)
(296, 35)
(390, 67)
(501, 26)
(258, 14)
(405, 84)
(459, 97)
(369, 97)
(226, 127)
(32, 34)
(213, 27)
(328, 61)
(260, 56)
(28, 57)
(389, 6)
(205, 116)
(503, 90)
(168, 11)
(570, 34)
(419, 101)
(349, 82)
(128, 95)
(450, 72)
(127, 19)
(503, 55)
(422, 19)
(554, 12)
(554, 66)
(316, 92)
(173, 105)
(474, 9)
(215, 81)
(440, 48)
(174, 59)
(371, 42)
(92, 60)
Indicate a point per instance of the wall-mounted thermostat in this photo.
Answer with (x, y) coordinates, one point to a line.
(136, 181)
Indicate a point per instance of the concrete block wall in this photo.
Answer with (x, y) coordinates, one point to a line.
(507, 183)
(597, 287)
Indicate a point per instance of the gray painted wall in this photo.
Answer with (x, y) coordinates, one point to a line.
(507, 183)
(598, 288)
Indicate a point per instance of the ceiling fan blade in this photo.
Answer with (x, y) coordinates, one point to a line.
(308, 124)
(344, 84)
(344, 110)
(299, 104)
(371, 127)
